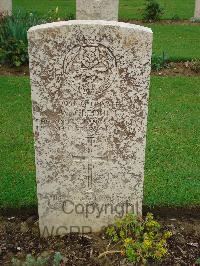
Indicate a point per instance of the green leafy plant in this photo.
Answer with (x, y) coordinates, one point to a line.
(31, 261)
(195, 65)
(13, 52)
(195, 20)
(198, 261)
(40, 261)
(159, 61)
(138, 239)
(153, 11)
(176, 17)
(13, 37)
(57, 259)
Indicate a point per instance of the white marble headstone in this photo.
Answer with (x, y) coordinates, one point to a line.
(90, 82)
(6, 7)
(197, 9)
(97, 9)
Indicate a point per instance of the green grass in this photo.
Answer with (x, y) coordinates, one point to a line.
(172, 162)
(17, 170)
(132, 9)
(179, 42)
(129, 9)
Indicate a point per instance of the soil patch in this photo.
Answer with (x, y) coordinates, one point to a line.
(172, 69)
(164, 22)
(19, 236)
(178, 69)
(14, 71)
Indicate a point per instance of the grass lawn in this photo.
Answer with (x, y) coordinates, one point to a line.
(179, 42)
(129, 9)
(172, 174)
(172, 161)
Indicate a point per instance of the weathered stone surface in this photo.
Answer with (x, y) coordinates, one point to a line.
(6, 7)
(89, 84)
(97, 9)
(197, 9)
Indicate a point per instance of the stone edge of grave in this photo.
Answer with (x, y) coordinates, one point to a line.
(89, 22)
(158, 211)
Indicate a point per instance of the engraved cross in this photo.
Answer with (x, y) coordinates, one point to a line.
(90, 159)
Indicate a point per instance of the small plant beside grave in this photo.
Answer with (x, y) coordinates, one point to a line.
(153, 11)
(13, 38)
(40, 261)
(159, 62)
(195, 65)
(139, 240)
(13, 35)
(198, 261)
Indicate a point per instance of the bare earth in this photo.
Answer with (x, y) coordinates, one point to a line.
(172, 69)
(19, 236)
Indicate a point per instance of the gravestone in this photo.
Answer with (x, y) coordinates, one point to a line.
(6, 7)
(90, 82)
(97, 9)
(197, 9)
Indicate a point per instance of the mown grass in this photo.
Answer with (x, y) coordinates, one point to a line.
(172, 156)
(179, 42)
(129, 9)
(17, 170)
(172, 174)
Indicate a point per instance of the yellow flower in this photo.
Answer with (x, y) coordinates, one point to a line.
(128, 241)
(147, 243)
(167, 234)
(162, 251)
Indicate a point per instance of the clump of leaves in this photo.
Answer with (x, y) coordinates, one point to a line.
(31, 261)
(176, 17)
(138, 239)
(195, 65)
(57, 259)
(195, 20)
(13, 52)
(159, 61)
(40, 261)
(198, 261)
(153, 11)
(13, 37)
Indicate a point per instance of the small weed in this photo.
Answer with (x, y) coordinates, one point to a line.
(198, 261)
(13, 35)
(195, 65)
(57, 259)
(159, 61)
(153, 11)
(176, 17)
(31, 261)
(195, 20)
(137, 239)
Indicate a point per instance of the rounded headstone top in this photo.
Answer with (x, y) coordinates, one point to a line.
(61, 24)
